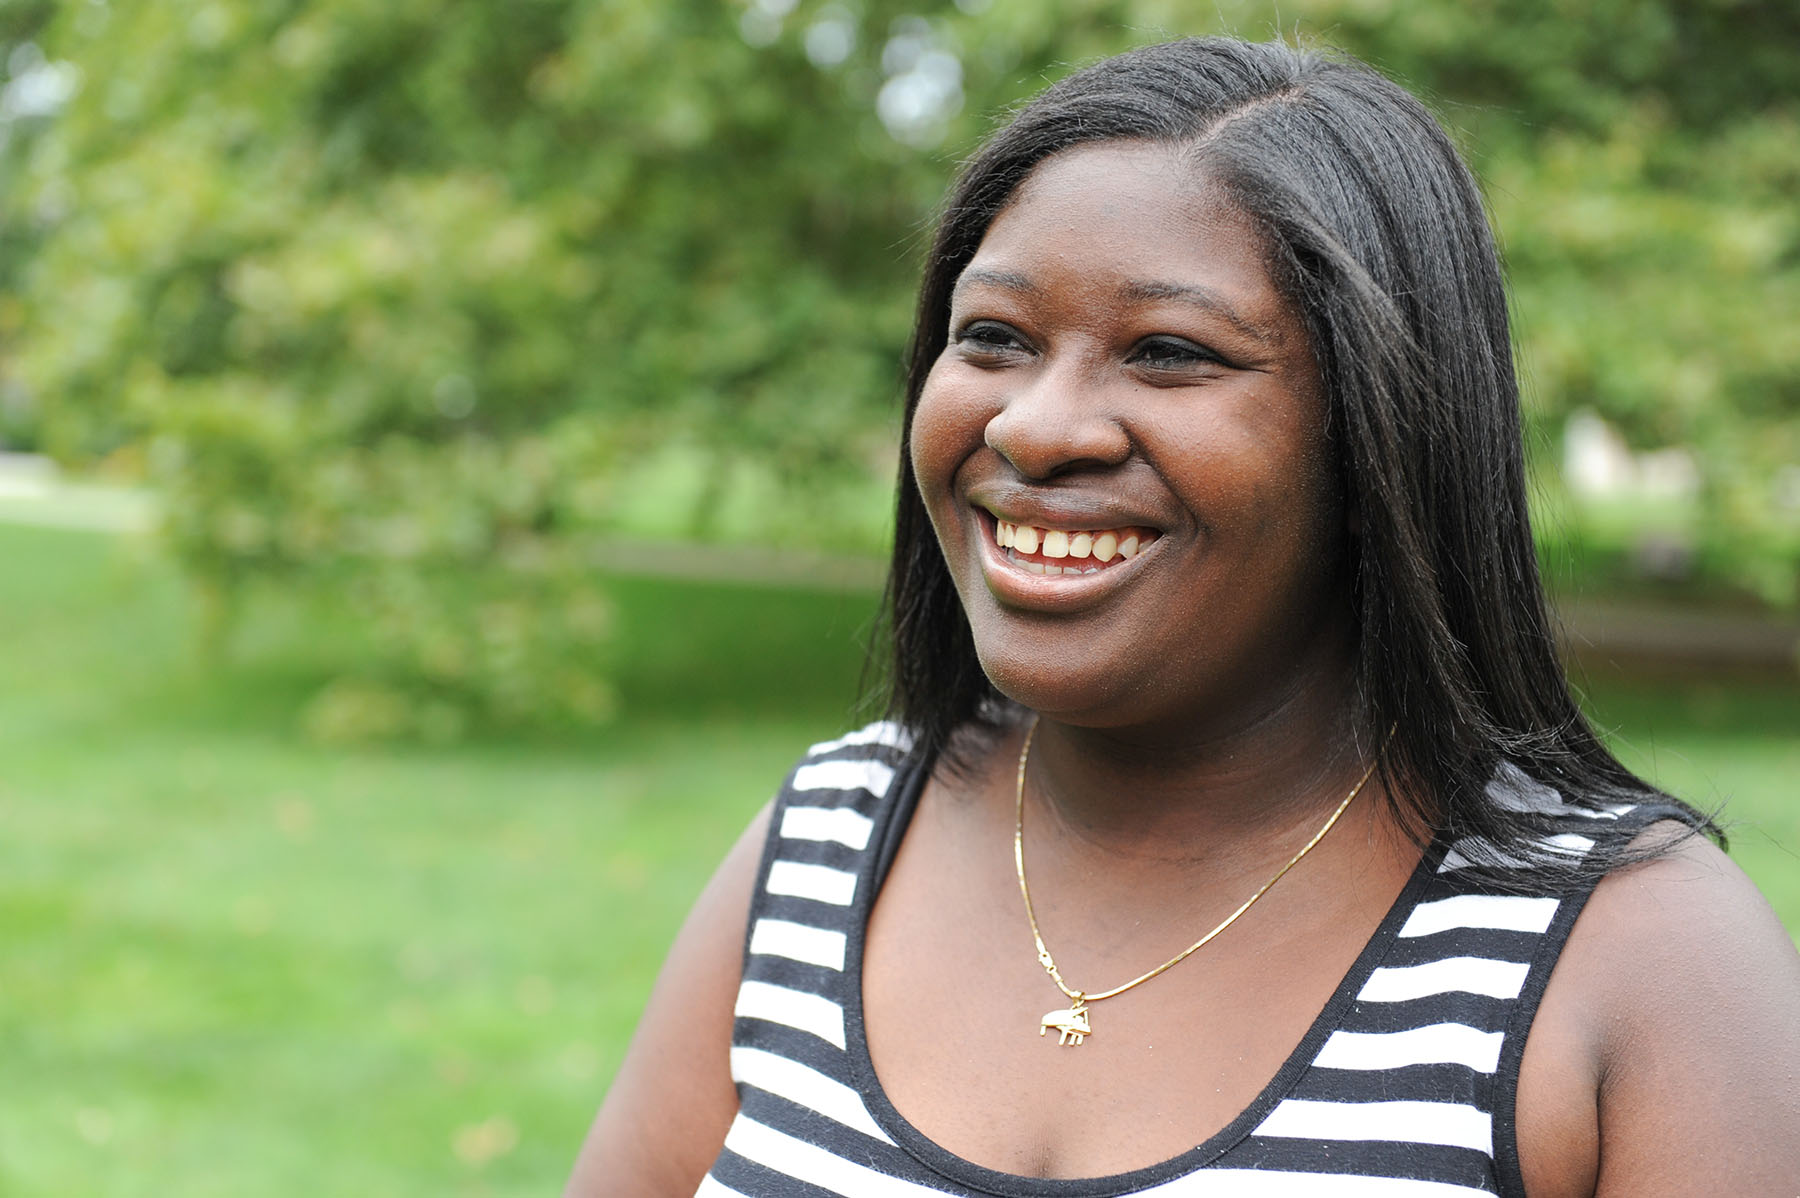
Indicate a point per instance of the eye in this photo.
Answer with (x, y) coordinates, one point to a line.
(990, 338)
(1174, 353)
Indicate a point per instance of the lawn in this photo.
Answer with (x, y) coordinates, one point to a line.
(239, 963)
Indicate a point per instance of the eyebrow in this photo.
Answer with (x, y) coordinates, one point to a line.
(1200, 297)
(1134, 290)
(1004, 279)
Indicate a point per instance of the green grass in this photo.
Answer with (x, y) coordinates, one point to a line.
(239, 963)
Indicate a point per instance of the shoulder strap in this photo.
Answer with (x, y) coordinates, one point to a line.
(800, 1109)
(816, 882)
(1602, 830)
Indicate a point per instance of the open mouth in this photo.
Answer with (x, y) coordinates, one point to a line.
(1038, 550)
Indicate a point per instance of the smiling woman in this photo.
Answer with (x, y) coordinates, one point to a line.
(1213, 603)
(1120, 365)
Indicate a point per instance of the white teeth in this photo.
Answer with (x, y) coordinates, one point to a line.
(1057, 543)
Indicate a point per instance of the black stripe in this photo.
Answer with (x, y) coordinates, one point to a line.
(1458, 1006)
(781, 1040)
(757, 1181)
(1437, 1082)
(751, 1032)
(833, 798)
(821, 852)
(804, 1123)
(795, 975)
(812, 912)
(1494, 943)
(1366, 1158)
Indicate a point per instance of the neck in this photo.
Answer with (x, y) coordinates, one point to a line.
(1204, 794)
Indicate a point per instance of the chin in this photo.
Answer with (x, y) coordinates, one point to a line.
(1067, 692)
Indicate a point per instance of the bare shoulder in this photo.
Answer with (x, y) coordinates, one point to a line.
(1674, 1015)
(1686, 942)
(669, 1106)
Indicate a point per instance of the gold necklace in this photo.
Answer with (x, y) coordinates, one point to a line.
(1072, 1023)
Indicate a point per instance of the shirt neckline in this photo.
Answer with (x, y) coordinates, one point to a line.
(908, 784)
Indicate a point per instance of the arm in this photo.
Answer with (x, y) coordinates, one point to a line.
(666, 1113)
(1686, 991)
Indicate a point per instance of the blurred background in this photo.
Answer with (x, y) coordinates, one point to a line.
(446, 451)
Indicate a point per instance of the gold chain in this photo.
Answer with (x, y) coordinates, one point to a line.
(1074, 1022)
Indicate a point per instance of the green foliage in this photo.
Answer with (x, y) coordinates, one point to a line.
(413, 306)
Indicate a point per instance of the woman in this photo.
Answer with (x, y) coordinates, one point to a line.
(1228, 725)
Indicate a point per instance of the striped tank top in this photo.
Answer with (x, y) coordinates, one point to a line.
(1402, 1088)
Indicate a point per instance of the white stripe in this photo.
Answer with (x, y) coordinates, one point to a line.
(820, 882)
(791, 1008)
(798, 942)
(1470, 975)
(1612, 811)
(845, 825)
(1515, 790)
(1450, 1123)
(713, 1189)
(872, 776)
(806, 1086)
(1475, 850)
(1505, 912)
(810, 1163)
(1273, 1183)
(882, 732)
(1438, 1043)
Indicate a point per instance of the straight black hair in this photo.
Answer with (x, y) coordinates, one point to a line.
(1375, 230)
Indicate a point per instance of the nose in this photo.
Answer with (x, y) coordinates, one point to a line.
(1057, 422)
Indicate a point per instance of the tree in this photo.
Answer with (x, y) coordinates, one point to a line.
(410, 304)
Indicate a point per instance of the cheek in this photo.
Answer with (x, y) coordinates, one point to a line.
(945, 430)
(1269, 491)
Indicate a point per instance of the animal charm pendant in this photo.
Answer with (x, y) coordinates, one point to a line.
(1071, 1024)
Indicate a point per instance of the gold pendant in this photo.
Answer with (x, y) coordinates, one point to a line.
(1071, 1024)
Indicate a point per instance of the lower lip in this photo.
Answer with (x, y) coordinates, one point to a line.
(1016, 586)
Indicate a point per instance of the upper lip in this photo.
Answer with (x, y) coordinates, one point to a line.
(1072, 513)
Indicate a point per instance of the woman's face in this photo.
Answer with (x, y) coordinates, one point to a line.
(1122, 451)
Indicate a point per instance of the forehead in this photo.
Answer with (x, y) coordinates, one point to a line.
(1134, 221)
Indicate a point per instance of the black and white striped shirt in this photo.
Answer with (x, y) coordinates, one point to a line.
(1402, 1088)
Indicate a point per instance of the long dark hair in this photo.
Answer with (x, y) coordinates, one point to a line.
(1375, 230)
